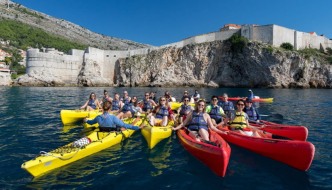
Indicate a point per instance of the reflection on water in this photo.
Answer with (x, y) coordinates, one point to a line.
(159, 156)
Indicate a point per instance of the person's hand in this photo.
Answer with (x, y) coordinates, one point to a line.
(84, 120)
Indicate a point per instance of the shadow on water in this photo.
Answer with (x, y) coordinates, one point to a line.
(159, 156)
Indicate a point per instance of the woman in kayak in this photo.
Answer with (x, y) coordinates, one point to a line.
(148, 104)
(116, 104)
(198, 122)
(129, 109)
(240, 122)
(184, 109)
(92, 103)
(161, 113)
(110, 122)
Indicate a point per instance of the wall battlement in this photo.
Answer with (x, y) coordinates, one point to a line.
(67, 67)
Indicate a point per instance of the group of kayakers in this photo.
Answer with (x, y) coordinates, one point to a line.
(194, 113)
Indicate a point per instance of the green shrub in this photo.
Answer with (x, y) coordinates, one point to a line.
(309, 52)
(23, 36)
(329, 59)
(287, 46)
(269, 49)
(238, 42)
(329, 50)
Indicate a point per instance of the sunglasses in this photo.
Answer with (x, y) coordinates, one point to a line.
(186, 100)
(163, 100)
(240, 104)
(201, 105)
(215, 99)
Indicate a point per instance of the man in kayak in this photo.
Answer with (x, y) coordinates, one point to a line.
(184, 109)
(196, 96)
(148, 104)
(198, 122)
(107, 121)
(251, 111)
(240, 122)
(216, 112)
(129, 109)
(227, 106)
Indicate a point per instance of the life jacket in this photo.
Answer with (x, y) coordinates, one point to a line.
(239, 122)
(197, 122)
(215, 114)
(115, 105)
(163, 111)
(146, 105)
(125, 100)
(184, 109)
(226, 106)
(252, 113)
(92, 104)
(104, 99)
(128, 107)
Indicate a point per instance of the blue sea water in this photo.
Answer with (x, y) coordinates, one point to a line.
(30, 123)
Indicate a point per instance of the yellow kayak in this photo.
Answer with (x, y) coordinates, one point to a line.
(154, 134)
(74, 151)
(176, 105)
(74, 116)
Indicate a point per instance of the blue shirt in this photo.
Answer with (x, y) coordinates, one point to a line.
(107, 120)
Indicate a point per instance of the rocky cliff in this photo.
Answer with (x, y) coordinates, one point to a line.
(63, 28)
(215, 64)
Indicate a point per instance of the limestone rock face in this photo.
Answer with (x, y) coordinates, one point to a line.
(90, 75)
(40, 79)
(5, 79)
(214, 64)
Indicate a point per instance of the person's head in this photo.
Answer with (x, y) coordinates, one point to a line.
(185, 93)
(125, 93)
(248, 102)
(200, 106)
(116, 96)
(162, 101)
(167, 94)
(196, 91)
(146, 95)
(152, 94)
(107, 106)
(105, 92)
(186, 100)
(92, 96)
(134, 99)
(240, 104)
(225, 97)
(214, 100)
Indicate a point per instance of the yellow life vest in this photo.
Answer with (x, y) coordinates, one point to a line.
(239, 122)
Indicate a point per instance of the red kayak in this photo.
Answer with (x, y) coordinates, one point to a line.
(215, 155)
(295, 132)
(298, 154)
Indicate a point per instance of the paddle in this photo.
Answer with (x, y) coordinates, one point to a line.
(275, 116)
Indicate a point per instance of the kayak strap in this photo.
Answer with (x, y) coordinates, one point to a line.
(44, 153)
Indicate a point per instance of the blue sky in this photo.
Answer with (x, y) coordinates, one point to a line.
(159, 22)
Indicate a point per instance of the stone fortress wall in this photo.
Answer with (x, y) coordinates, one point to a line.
(68, 67)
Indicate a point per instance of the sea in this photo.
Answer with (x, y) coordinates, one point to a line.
(30, 122)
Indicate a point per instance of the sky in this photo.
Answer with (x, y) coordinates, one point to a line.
(160, 22)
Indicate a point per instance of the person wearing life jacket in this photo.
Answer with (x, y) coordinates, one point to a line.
(153, 96)
(108, 122)
(126, 98)
(227, 106)
(148, 104)
(161, 113)
(184, 109)
(251, 111)
(92, 103)
(198, 122)
(240, 122)
(129, 109)
(168, 97)
(196, 96)
(251, 94)
(116, 103)
(216, 112)
(106, 98)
